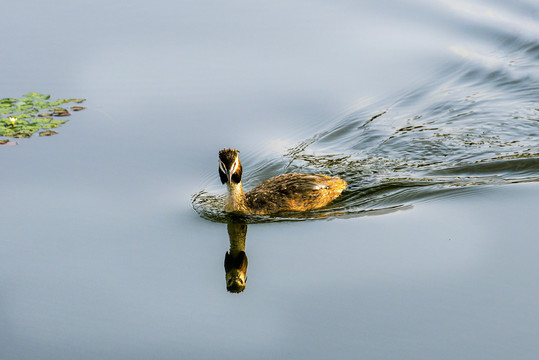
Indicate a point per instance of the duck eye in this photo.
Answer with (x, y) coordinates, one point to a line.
(234, 167)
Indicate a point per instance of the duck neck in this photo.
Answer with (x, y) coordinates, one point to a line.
(236, 201)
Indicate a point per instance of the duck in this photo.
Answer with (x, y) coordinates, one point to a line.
(282, 193)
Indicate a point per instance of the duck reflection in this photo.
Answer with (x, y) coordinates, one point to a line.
(236, 258)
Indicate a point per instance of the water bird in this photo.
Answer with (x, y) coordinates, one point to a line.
(287, 192)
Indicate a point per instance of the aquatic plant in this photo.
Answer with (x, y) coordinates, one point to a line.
(22, 117)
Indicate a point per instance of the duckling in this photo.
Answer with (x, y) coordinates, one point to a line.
(287, 192)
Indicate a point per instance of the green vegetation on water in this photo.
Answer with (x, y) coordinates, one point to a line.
(22, 117)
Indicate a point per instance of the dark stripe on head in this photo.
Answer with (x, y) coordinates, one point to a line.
(223, 176)
(236, 177)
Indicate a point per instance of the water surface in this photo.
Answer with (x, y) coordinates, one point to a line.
(428, 109)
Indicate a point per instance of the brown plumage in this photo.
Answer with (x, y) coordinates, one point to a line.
(288, 192)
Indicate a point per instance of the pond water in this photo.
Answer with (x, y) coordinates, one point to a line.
(112, 232)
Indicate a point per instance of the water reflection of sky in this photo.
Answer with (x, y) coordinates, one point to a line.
(102, 255)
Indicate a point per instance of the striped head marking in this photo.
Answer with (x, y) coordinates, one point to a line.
(230, 169)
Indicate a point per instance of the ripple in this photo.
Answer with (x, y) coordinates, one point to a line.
(475, 125)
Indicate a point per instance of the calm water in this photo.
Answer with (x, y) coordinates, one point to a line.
(428, 109)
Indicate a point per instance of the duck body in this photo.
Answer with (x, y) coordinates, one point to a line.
(287, 192)
(293, 192)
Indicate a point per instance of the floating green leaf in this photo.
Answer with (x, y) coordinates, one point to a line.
(34, 95)
(22, 117)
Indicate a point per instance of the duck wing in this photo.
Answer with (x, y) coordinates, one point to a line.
(294, 192)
